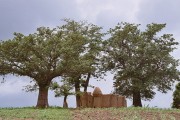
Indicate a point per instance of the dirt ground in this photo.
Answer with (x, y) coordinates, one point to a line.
(100, 114)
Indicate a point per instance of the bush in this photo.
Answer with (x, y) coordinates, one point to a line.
(176, 97)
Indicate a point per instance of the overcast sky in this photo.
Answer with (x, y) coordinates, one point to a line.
(25, 16)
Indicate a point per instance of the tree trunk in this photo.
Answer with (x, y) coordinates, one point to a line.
(137, 98)
(65, 105)
(77, 90)
(42, 97)
(87, 82)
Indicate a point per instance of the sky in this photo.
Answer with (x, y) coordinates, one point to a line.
(25, 16)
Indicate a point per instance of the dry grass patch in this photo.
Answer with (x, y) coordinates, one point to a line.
(126, 114)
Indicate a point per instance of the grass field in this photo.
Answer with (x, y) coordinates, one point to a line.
(89, 114)
(35, 114)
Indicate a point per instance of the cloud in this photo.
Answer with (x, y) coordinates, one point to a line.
(25, 16)
(160, 11)
(11, 94)
(108, 13)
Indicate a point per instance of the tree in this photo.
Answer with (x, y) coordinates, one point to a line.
(68, 50)
(82, 53)
(176, 97)
(63, 90)
(141, 60)
(36, 55)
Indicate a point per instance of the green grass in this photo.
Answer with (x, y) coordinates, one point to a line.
(35, 114)
(57, 113)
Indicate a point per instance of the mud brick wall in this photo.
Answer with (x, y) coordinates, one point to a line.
(86, 100)
(102, 101)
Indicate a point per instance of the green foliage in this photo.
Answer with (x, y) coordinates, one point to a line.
(36, 55)
(63, 90)
(35, 114)
(31, 88)
(82, 46)
(71, 50)
(176, 97)
(141, 60)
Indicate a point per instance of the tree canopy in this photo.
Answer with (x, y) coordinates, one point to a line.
(141, 60)
(176, 97)
(37, 55)
(82, 52)
(68, 50)
(63, 90)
